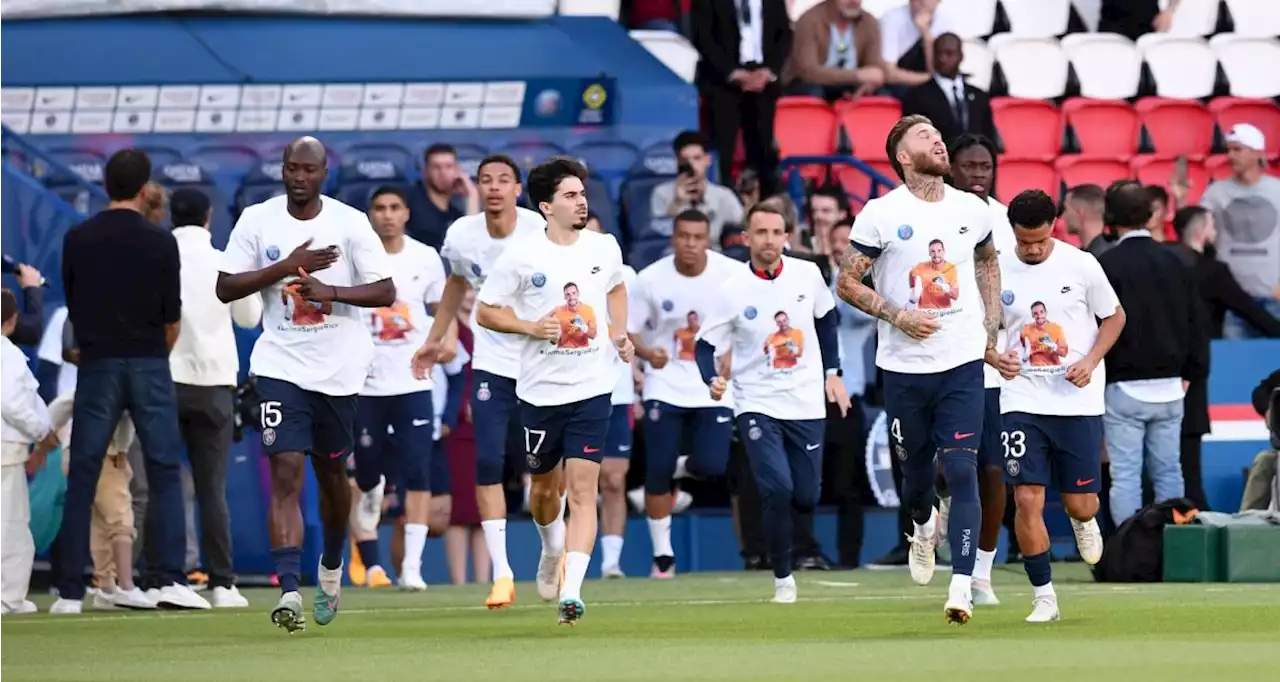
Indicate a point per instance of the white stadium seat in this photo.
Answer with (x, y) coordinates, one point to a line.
(876, 8)
(1256, 18)
(590, 8)
(1193, 17)
(970, 19)
(1183, 66)
(1090, 11)
(1108, 65)
(1037, 18)
(1251, 64)
(977, 65)
(1034, 68)
(672, 50)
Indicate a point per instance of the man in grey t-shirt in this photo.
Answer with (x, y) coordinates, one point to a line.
(692, 190)
(1246, 209)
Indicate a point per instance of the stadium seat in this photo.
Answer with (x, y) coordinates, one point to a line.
(1107, 65)
(1034, 68)
(1257, 18)
(162, 156)
(970, 19)
(978, 64)
(1176, 127)
(589, 8)
(603, 205)
(1250, 64)
(1193, 17)
(1030, 128)
(636, 194)
(374, 162)
(87, 166)
(858, 184)
(867, 121)
(656, 159)
(1090, 12)
(228, 160)
(610, 158)
(672, 50)
(1017, 175)
(1090, 169)
(469, 158)
(529, 153)
(1183, 68)
(805, 126)
(185, 174)
(1036, 18)
(1262, 113)
(645, 252)
(1218, 167)
(1102, 126)
(1156, 169)
(876, 8)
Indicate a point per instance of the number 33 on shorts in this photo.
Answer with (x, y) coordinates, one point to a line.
(1015, 447)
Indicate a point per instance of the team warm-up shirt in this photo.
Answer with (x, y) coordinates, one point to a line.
(768, 325)
(667, 310)
(472, 252)
(398, 330)
(537, 277)
(924, 261)
(624, 392)
(1051, 311)
(1002, 234)
(318, 347)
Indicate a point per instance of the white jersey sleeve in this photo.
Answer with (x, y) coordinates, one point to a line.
(866, 235)
(1102, 299)
(502, 284)
(368, 255)
(823, 301)
(243, 253)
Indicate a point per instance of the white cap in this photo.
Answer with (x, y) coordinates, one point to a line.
(1247, 135)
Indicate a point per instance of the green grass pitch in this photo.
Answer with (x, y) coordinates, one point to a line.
(856, 625)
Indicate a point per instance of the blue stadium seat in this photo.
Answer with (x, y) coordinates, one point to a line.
(378, 153)
(644, 252)
(190, 175)
(86, 164)
(368, 167)
(162, 156)
(611, 159)
(657, 159)
(262, 182)
(636, 194)
(603, 206)
(357, 194)
(229, 161)
(529, 153)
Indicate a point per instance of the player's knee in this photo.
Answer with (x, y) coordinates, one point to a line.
(613, 482)
(1029, 499)
(488, 472)
(805, 500)
(1082, 506)
(439, 515)
(959, 468)
(542, 495)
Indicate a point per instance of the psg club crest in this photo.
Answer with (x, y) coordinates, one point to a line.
(483, 394)
(668, 306)
(905, 232)
(1006, 297)
(654, 414)
(273, 253)
(532, 461)
(754, 433)
(538, 280)
(750, 312)
(268, 436)
(366, 440)
(1012, 466)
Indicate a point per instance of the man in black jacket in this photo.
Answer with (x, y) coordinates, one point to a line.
(1156, 359)
(955, 106)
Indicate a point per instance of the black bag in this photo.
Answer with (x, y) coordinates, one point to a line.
(1135, 553)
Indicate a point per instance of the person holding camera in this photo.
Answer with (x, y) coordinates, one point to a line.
(31, 319)
(693, 190)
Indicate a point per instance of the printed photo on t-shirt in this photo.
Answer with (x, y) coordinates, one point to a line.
(784, 347)
(934, 285)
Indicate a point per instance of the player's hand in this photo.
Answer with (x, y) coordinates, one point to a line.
(942, 284)
(626, 351)
(40, 455)
(717, 387)
(425, 358)
(1008, 364)
(1081, 373)
(836, 394)
(547, 329)
(916, 324)
(658, 358)
(314, 290)
(312, 260)
(445, 431)
(28, 276)
(446, 355)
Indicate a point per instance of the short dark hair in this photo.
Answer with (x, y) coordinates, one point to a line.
(570, 284)
(1127, 205)
(692, 215)
(504, 160)
(439, 148)
(188, 206)
(1032, 209)
(765, 208)
(1188, 217)
(1089, 194)
(896, 133)
(950, 36)
(843, 222)
(545, 178)
(686, 138)
(388, 189)
(1041, 304)
(8, 305)
(126, 173)
(831, 191)
(1157, 193)
(968, 140)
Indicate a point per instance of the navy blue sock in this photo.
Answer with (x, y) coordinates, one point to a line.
(369, 553)
(1038, 569)
(288, 567)
(778, 527)
(960, 468)
(334, 542)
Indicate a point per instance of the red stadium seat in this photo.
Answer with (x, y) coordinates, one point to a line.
(1177, 127)
(805, 126)
(1218, 167)
(1091, 169)
(1103, 126)
(1263, 113)
(858, 184)
(1030, 128)
(1155, 169)
(1018, 175)
(867, 120)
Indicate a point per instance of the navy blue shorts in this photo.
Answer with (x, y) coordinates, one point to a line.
(293, 419)
(668, 428)
(990, 454)
(557, 432)
(494, 407)
(618, 442)
(1060, 452)
(785, 456)
(404, 455)
(441, 480)
(932, 412)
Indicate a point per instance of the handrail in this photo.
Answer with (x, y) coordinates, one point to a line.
(32, 151)
(796, 185)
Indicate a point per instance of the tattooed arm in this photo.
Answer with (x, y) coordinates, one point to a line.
(853, 267)
(987, 268)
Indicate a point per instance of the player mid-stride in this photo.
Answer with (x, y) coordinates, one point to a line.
(922, 242)
(1052, 403)
(562, 291)
(312, 358)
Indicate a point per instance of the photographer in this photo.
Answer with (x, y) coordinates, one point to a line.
(692, 190)
(1262, 489)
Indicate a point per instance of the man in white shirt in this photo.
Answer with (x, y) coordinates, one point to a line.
(768, 317)
(472, 246)
(670, 303)
(907, 34)
(932, 352)
(205, 363)
(312, 358)
(562, 291)
(1054, 294)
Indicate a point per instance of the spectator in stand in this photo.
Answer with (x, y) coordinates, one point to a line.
(1219, 290)
(742, 45)
(1083, 211)
(908, 41)
(444, 195)
(1152, 364)
(1135, 18)
(1246, 212)
(205, 365)
(828, 205)
(953, 105)
(652, 15)
(1161, 224)
(31, 318)
(748, 189)
(693, 190)
(836, 52)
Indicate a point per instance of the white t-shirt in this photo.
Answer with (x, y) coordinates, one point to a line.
(50, 350)
(1002, 233)
(538, 277)
(898, 32)
(908, 232)
(624, 393)
(667, 309)
(326, 348)
(1050, 311)
(399, 330)
(768, 325)
(472, 253)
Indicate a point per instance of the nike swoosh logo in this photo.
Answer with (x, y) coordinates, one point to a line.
(337, 455)
(624, 448)
(811, 447)
(590, 450)
(722, 420)
(962, 436)
(1080, 483)
(421, 422)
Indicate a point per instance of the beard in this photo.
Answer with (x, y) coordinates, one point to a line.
(926, 163)
(580, 225)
